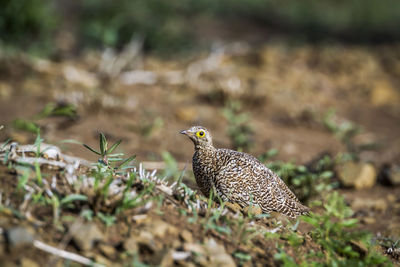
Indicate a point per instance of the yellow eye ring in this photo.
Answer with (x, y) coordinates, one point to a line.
(200, 133)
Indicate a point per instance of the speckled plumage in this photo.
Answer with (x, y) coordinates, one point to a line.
(239, 178)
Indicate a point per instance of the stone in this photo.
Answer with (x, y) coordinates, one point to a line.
(368, 220)
(357, 174)
(160, 229)
(85, 235)
(25, 262)
(186, 236)
(108, 251)
(193, 247)
(218, 255)
(384, 93)
(19, 236)
(379, 205)
(390, 175)
(131, 245)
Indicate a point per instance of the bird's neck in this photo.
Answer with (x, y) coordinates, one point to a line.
(204, 149)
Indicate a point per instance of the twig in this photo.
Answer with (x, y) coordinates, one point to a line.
(65, 254)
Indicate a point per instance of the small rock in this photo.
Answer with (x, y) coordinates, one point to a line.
(180, 255)
(160, 229)
(85, 235)
(379, 205)
(359, 175)
(192, 247)
(186, 236)
(140, 218)
(391, 198)
(384, 93)
(18, 236)
(390, 175)
(218, 255)
(102, 260)
(131, 245)
(108, 251)
(368, 220)
(146, 240)
(167, 259)
(25, 262)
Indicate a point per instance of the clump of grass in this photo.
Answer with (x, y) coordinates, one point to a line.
(306, 182)
(341, 243)
(50, 110)
(239, 130)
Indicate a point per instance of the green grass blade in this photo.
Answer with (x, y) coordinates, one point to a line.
(91, 149)
(103, 144)
(73, 197)
(114, 146)
(126, 161)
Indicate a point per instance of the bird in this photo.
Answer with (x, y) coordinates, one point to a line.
(239, 178)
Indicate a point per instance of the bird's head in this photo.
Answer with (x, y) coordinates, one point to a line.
(200, 136)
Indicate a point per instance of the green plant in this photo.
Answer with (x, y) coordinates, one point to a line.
(107, 159)
(306, 182)
(239, 130)
(335, 231)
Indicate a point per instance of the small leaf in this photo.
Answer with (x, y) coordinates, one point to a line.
(103, 144)
(73, 197)
(114, 146)
(91, 149)
(126, 161)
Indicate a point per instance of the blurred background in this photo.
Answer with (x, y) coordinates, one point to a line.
(287, 80)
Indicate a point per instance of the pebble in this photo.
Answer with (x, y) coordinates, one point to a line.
(379, 205)
(18, 236)
(218, 255)
(186, 236)
(357, 174)
(25, 262)
(85, 235)
(131, 245)
(108, 251)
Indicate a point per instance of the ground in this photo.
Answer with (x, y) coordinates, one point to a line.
(286, 92)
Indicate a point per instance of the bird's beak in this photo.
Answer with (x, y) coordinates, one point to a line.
(183, 132)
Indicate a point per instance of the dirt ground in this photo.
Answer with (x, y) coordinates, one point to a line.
(285, 91)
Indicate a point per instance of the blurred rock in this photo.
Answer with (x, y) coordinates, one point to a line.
(186, 236)
(379, 205)
(218, 255)
(390, 175)
(193, 247)
(131, 245)
(5, 91)
(102, 260)
(368, 220)
(80, 76)
(139, 77)
(357, 174)
(85, 235)
(25, 262)
(145, 240)
(19, 236)
(383, 93)
(108, 251)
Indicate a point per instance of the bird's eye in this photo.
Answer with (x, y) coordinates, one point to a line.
(200, 133)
